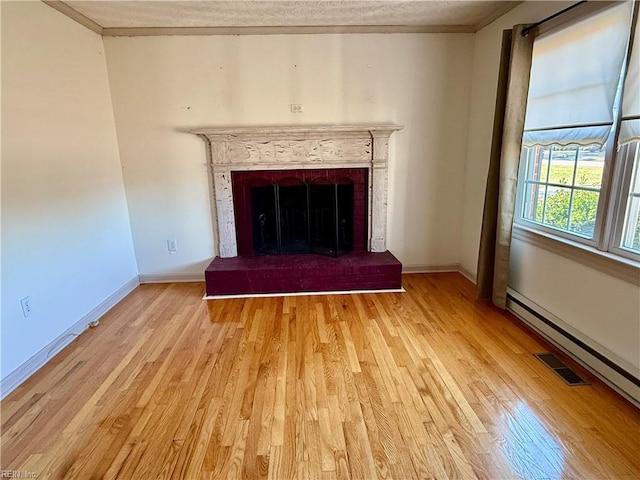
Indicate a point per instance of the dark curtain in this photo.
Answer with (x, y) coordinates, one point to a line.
(500, 194)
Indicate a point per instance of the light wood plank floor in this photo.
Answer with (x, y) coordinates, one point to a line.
(422, 384)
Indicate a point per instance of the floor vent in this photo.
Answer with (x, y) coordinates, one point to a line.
(570, 377)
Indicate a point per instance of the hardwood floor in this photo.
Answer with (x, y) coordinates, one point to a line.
(422, 384)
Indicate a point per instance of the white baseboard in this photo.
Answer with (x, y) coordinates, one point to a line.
(199, 277)
(467, 274)
(171, 277)
(453, 267)
(37, 361)
(611, 369)
(194, 277)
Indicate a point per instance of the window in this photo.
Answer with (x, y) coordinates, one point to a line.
(631, 225)
(575, 181)
(561, 187)
(626, 238)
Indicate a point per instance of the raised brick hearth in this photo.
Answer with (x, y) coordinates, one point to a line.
(303, 273)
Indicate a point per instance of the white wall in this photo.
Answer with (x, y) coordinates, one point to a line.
(66, 239)
(162, 86)
(602, 311)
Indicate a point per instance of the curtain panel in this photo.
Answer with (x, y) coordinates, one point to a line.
(500, 196)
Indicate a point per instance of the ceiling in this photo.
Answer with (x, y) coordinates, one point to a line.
(415, 15)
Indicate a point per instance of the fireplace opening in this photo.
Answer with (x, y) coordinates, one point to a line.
(295, 217)
(331, 211)
(293, 212)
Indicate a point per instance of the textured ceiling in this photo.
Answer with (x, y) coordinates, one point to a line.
(281, 13)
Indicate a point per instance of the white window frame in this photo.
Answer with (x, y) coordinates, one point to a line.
(625, 160)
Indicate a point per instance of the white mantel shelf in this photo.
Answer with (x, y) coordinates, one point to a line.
(232, 149)
(302, 131)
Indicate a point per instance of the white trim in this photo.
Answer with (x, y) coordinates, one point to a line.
(284, 30)
(301, 294)
(406, 270)
(171, 277)
(74, 15)
(502, 9)
(452, 267)
(608, 375)
(627, 156)
(468, 274)
(37, 361)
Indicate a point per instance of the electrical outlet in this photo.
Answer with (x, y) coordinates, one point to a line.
(172, 246)
(26, 306)
(296, 108)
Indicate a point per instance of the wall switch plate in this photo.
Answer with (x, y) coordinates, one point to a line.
(26, 306)
(296, 108)
(172, 245)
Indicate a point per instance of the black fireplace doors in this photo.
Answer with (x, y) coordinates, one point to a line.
(291, 216)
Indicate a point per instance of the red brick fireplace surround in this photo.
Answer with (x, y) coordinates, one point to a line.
(271, 155)
(242, 182)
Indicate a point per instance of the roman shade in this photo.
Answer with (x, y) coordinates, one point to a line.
(630, 126)
(575, 75)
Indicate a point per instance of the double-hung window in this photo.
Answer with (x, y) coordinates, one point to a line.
(579, 176)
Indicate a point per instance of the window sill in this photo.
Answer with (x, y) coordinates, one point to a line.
(605, 262)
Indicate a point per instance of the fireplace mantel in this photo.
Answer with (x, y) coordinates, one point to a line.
(297, 147)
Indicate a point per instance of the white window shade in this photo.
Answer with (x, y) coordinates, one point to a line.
(567, 136)
(629, 131)
(574, 78)
(630, 127)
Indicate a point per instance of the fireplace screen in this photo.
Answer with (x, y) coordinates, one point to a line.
(291, 216)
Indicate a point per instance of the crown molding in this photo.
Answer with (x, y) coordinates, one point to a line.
(74, 15)
(497, 13)
(293, 30)
(70, 12)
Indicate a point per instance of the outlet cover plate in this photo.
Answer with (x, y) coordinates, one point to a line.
(25, 303)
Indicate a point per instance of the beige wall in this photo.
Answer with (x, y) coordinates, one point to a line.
(163, 85)
(66, 239)
(601, 310)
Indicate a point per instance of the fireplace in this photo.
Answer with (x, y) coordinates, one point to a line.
(320, 211)
(283, 193)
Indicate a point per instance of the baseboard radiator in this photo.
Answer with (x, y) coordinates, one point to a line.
(611, 369)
